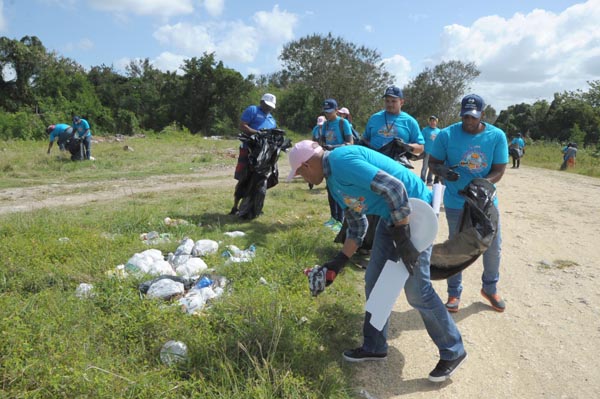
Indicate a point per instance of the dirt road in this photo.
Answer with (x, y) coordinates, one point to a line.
(545, 345)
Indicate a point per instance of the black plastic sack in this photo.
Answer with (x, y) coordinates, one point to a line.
(263, 152)
(477, 230)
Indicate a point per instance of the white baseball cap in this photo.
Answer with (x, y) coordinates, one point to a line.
(269, 99)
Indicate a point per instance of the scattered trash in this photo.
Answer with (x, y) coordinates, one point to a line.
(173, 352)
(165, 289)
(187, 283)
(109, 236)
(192, 267)
(64, 239)
(150, 261)
(84, 290)
(236, 255)
(235, 234)
(155, 238)
(205, 247)
(175, 222)
(263, 281)
(185, 247)
(203, 291)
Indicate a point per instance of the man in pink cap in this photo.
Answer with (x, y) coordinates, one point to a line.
(364, 181)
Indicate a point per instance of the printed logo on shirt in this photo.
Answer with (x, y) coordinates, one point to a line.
(474, 159)
(387, 131)
(356, 204)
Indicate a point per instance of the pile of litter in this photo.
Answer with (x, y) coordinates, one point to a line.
(182, 275)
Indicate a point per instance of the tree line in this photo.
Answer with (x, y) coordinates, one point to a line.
(39, 87)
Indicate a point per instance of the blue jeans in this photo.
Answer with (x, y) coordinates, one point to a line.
(420, 295)
(87, 143)
(491, 258)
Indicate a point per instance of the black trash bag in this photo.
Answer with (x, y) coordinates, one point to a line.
(477, 230)
(399, 151)
(515, 152)
(263, 152)
(76, 147)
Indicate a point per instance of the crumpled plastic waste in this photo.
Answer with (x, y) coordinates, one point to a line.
(175, 222)
(154, 238)
(185, 247)
(173, 352)
(204, 290)
(165, 289)
(205, 247)
(150, 261)
(234, 234)
(236, 255)
(84, 290)
(145, 287)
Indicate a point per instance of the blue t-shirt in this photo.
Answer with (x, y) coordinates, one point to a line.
(473, 154)
(429, 135)
(58, 129)
(382, 127)
(332, 134)
(518, 141)
(353, 167)
(257, 119)
(82, 128)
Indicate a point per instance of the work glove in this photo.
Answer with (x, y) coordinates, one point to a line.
(404, 247)
(445, 172)
(323, 276)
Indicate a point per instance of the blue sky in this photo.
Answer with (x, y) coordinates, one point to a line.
(525, 50)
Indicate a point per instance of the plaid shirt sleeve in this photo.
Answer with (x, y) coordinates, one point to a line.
(394, 193)
(357, 226)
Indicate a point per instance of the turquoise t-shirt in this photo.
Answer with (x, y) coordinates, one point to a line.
(331, 131)
(58, 129)
(473, 154)
(429, 135)
(518, 141)
(82, 127)
(382, 127)
(353, 168)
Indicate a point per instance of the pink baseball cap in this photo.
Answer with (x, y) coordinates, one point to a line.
(344, 111)
(320, 120)
(300, 153)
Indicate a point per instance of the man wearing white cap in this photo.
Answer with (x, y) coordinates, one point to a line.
(364, 182)
(254, 118)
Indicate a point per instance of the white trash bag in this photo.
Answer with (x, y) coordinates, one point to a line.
(205, 247)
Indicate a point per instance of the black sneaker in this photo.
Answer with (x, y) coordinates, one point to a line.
(361, 355)
(445, 368)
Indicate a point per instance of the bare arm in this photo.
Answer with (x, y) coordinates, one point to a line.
(496, 172)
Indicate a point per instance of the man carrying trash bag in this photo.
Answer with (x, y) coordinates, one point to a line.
(363, 182)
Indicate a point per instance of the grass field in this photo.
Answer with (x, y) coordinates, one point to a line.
(257, 341)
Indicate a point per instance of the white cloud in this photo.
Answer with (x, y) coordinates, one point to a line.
(167, 61)
(163, 8)
(232, 42)
(214, 7)
(368, 28)
(399, 67)
(276, 26)
(532, 56)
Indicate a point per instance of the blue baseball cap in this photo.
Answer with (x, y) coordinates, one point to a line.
(393, 91)
(472, 105)
(329, 105)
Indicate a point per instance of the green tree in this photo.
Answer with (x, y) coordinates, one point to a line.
(438, 91)
(334, 68)
(23, 60)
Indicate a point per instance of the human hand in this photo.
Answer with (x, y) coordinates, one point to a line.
(320, 277)
(445, 172)
(404, 246)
